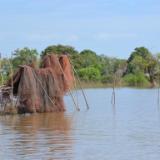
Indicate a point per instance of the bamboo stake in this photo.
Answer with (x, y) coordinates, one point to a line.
(1, 70)
(43, 88)
(158, 95)
(79, 82)
(1, 79)
(77, 108)
(75, 88)
(113, 99)
(11, 70)
(158, 82)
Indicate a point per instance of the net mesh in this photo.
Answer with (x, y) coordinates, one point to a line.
(43, 89)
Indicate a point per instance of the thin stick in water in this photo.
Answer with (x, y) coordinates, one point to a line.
(79, 82)
(113, 99)
(77, 108)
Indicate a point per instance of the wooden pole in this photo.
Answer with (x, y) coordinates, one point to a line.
(77, 108)
(1, 82)
(75, 88)
(43, 88)
(79, 82)
(1, 69)
(113, 100)
(11, 73)
(158, 82)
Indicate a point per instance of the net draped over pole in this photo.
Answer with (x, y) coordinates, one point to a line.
(43, 89)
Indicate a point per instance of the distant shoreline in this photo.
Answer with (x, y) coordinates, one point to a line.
(92, 84)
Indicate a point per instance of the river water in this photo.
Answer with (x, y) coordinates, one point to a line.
(130, 130)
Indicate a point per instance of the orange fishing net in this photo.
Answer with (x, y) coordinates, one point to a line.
(42, 90)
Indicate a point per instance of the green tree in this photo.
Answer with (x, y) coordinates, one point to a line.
(137, 79)
(24, 56)
(142, 61)
(157, 67)
(138, 60)
(112, 67)
(59, 49)
(140, 51)
(89, 73)
(5, 70)
(138, 64)
(89, 58)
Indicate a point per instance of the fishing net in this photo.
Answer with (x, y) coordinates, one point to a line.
(42, 90)
(68, 72)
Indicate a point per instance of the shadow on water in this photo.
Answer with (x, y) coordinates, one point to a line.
(32, 135)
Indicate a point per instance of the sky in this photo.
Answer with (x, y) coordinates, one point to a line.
(110, 27)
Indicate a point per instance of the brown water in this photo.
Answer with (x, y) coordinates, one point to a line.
(128, 131)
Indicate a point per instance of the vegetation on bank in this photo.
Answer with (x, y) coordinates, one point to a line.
(141, 69)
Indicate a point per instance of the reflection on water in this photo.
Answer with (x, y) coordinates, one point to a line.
(129, 130)
(35, 136)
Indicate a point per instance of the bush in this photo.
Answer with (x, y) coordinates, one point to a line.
(107, 79)
(89, 73)
(137, 79)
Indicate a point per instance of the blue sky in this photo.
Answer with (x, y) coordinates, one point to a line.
(110, 27)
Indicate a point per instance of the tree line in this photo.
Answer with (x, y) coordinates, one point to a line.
(141, 69)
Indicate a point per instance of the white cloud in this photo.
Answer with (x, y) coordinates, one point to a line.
(37, 37)
(72, 38)
(107, 36)
(51, 36)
